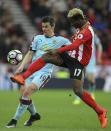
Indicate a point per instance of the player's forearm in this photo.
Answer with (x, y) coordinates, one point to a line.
(27, 58)
(100, 51)
(99, 55)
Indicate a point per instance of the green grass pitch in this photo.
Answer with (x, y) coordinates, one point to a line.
(57, 111)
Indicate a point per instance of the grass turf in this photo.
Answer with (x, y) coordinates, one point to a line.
(57, 111)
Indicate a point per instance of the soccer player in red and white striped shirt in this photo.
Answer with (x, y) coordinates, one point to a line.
(74, 57)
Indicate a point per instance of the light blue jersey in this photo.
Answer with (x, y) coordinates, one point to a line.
(92, 63)
(40, 45)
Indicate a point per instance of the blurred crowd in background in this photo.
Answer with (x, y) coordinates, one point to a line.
(12, 35)
(98, 13)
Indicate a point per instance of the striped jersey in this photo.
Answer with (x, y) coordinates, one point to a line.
(82, 45)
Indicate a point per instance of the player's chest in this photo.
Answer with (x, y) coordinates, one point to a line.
(47, 44)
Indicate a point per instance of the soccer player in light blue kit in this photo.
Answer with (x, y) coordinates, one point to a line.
(91, 69)
(39, 46)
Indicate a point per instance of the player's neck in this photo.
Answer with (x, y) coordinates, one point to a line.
(50, 35)
(81, 24)
(85, 23)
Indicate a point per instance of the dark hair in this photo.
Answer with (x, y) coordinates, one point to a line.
(49, 19)
(76, 18)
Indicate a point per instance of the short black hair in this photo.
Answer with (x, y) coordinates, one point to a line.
(49, 19)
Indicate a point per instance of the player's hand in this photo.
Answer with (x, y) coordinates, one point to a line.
(19, 70)
(53, 51)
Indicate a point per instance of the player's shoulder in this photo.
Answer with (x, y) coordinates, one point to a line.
(87, 28)
(38, 36)
(88, 31)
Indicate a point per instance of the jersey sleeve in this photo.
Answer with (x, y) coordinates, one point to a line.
(33, 45)
(82, 38)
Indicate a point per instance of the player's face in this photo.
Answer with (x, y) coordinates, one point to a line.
(77, 23)
(47, 29)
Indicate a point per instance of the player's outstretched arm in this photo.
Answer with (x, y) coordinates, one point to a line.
(25, 61)
(82, 38)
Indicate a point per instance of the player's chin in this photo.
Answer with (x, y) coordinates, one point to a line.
(45, 33)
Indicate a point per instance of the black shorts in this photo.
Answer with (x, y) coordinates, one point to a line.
(76, 69)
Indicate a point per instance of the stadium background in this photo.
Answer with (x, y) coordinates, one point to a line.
(20, 20)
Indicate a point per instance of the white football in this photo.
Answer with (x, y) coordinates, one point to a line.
(14, 57)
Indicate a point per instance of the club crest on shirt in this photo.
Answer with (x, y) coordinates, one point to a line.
(77, 30)
(54, 41)
(80, 36)
(45, 47)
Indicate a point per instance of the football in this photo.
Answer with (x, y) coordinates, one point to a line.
(14, 57)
